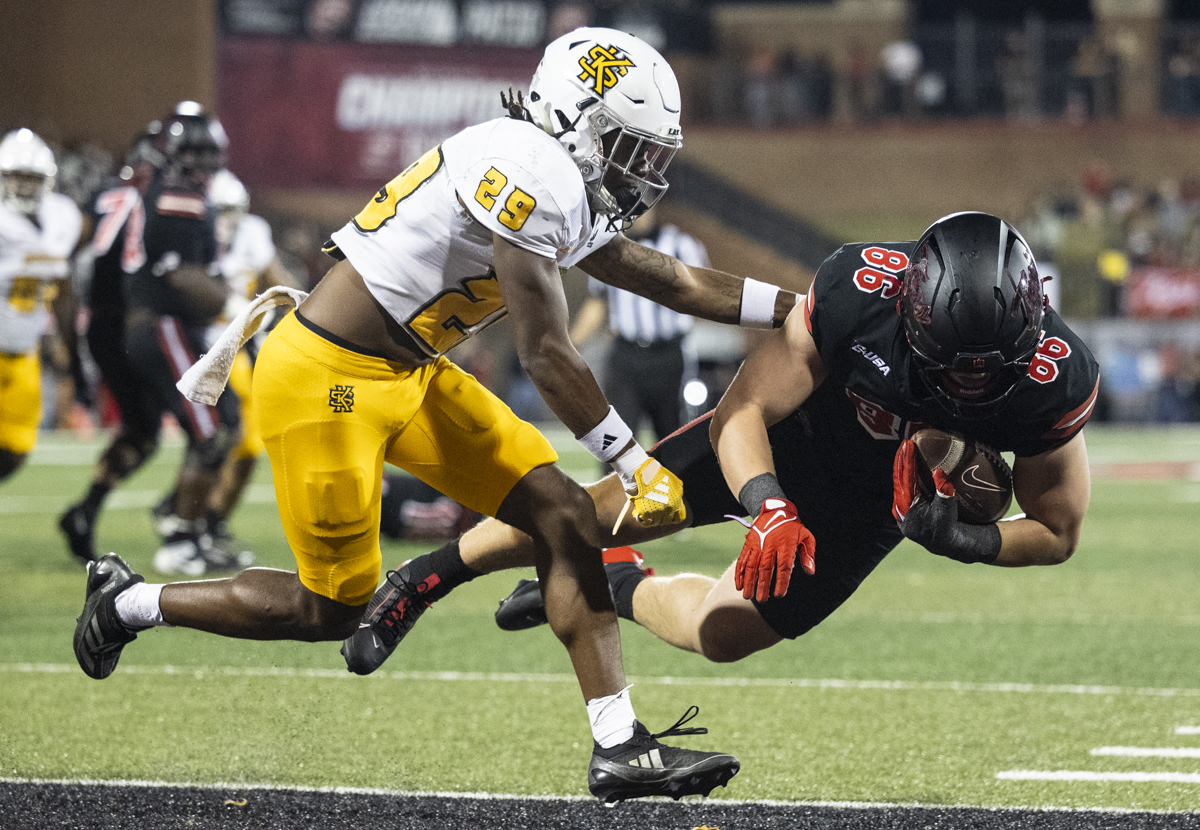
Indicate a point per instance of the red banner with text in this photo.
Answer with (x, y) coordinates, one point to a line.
(352, 116)
(1162, 293)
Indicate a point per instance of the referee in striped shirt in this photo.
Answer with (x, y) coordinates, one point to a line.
(644, 368)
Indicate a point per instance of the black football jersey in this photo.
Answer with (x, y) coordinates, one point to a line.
(179, 230)
(873, 387)
(117, 218)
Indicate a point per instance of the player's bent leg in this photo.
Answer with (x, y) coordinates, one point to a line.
(724, 626)
(560, 517)
(127, 452)
(187, 546)
(561, 520)
(259, 604)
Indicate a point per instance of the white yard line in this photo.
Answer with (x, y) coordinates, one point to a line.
(120, 500)
(1084, 775)
(1149, 751)
(512, 677)
(1187, 730)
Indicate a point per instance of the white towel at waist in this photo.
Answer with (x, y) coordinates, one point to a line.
(205, 380)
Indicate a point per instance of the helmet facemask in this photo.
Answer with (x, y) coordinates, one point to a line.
(974, 385)
(632, 173)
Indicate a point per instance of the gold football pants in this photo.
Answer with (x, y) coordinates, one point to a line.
(330, 417)
(20, 401)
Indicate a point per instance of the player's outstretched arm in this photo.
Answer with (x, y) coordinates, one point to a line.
(702, 292)
(532, 290)
(1053, 489)
(776, 378)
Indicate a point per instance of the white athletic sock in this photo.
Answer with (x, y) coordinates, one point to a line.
(138, 605)
(612, 718)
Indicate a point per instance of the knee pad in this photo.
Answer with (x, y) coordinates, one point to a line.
(128, 451)
(210, 454)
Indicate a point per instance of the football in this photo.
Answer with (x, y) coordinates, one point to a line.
(981, 477)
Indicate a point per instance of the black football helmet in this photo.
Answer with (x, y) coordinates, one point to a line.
(972, 306)
(192, 144)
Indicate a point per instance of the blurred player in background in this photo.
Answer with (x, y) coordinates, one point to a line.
(172, 292)
(410, 511)
(645, 364)
(248, 261)
(113, 228)
(39, 231)
(813, 437)
(477, 228)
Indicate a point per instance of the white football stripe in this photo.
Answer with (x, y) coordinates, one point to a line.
(1085, 775)
(956, 686)
(1149, 751)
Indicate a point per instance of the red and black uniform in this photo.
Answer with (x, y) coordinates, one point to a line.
(834, 454)
(118, 218)
(164, 335)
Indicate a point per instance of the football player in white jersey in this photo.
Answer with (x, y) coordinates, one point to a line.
(39, 230)
(477, 228)
(250, 265)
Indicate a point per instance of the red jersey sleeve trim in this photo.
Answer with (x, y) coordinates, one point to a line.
(1074, 420)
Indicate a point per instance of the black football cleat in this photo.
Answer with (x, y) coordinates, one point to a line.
(79, 530)
(392, 612)
(643, 767)
(99, 633)
(523, 608)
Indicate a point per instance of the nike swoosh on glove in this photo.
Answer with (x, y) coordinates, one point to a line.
(769, 554)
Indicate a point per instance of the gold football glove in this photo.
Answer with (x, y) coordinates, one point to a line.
(655, 496)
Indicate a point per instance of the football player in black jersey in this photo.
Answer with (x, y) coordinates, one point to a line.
(113, 230)
(171, 294)
(808, 435)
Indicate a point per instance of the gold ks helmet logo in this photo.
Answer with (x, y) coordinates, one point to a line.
(605, 66)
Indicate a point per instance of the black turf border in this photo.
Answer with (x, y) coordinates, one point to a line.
(25, 806)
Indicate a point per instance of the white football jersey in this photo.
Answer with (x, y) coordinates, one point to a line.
(33, 265)
(428, 260)
(249, 255)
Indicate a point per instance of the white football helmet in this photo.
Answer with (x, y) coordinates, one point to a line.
(612, 102)
(27, 171)
(232, 201)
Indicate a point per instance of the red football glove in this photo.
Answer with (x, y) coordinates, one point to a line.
(904, 480)
(932, 521)
(770, 550)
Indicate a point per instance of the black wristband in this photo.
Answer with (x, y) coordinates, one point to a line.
(757, 490)
(973, 543)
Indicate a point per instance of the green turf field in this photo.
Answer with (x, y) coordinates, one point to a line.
(937, 683)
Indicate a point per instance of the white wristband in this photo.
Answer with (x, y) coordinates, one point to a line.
(626, 465)
(608, 437)
(758, 305)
